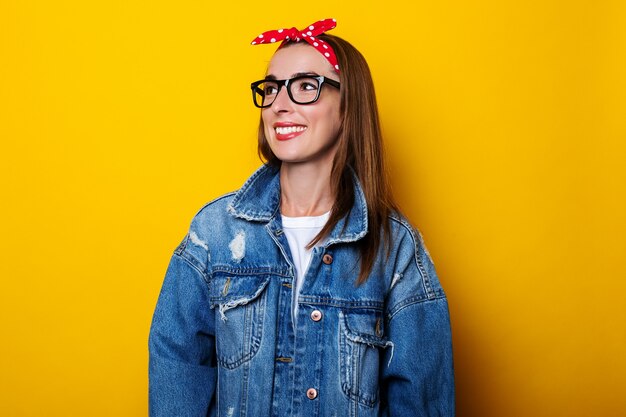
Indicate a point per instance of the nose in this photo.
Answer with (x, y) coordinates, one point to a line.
(282, 103)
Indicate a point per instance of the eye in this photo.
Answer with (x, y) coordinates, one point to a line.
(270, 89)
(305, 85)
(308, 86)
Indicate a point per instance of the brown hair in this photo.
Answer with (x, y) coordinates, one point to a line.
(360, 148)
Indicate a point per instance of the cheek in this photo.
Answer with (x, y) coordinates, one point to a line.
(327, 116)
(266, 122)
(332, 121)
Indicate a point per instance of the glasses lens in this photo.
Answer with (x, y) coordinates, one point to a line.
(265, 93)
(304, 90)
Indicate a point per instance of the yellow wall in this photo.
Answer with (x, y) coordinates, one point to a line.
(505, 128)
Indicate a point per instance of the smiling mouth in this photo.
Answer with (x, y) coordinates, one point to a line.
(285, 130)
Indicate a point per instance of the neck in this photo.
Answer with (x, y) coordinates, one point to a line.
(305, 189)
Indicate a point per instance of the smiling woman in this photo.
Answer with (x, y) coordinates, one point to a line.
(285, 115)
(306, 292)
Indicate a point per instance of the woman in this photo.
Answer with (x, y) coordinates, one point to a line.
(305, 293)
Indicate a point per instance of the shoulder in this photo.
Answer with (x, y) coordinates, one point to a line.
(213, 210)
(414, 277)
(195, 246)
(404, 234)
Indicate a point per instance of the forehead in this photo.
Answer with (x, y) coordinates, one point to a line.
(298, 58)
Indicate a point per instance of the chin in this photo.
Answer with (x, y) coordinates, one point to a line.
(289, 159)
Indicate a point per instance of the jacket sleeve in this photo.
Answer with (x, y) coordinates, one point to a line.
(417, 373)
(182, 374)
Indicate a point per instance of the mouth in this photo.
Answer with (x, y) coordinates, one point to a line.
(288, 131)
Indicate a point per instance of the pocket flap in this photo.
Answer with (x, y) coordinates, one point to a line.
(226, 289)
(365, 327)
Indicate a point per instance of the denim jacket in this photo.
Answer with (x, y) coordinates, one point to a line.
(223, 342)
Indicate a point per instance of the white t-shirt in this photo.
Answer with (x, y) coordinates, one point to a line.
(300, 231)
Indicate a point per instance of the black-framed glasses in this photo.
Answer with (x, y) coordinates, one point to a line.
(304, 89)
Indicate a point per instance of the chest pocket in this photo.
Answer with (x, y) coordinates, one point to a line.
(239, 303)
(361, 348)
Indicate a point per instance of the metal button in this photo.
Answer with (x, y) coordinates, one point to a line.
(327, 259)
(316, 315)
(311, 393)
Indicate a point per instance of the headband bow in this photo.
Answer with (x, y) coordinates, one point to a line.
(308, 34)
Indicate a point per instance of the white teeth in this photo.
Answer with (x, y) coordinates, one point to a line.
(289, 129)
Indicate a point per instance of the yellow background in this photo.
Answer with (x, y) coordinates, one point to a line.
(505, 127)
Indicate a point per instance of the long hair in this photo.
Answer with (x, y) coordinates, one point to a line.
(360, 148)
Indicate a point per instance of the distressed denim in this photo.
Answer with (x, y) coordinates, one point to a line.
(223, 342)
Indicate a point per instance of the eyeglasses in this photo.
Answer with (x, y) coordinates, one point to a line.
(301, 90)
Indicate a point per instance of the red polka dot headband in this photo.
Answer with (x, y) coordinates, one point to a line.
(308, 34)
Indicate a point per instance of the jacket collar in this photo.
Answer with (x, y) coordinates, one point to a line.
(258, 200)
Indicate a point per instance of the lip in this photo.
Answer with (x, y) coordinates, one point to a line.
(287, 136)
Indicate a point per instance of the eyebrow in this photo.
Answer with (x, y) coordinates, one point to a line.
(297, 74)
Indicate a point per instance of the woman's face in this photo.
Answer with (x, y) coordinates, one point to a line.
(299, 133)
